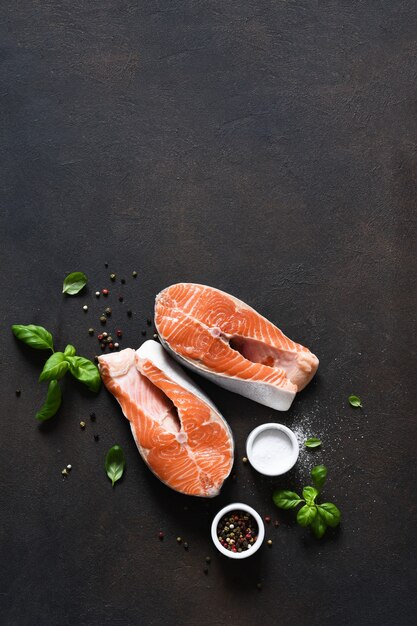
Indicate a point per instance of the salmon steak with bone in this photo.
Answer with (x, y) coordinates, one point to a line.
(231, 344)
(178, 431)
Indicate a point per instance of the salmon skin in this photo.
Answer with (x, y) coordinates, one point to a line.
(228, 342)
(179, 433)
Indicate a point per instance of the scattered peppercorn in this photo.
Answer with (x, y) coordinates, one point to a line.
(161, 535)
(134, 274)
(244, 460)
(69, 467)
(82, 425)
(96, 437)
(18, 392)
(64, 472)
(97, 294)
(106, 265)
(103, 319)
(267, 519)
(120, 298)
(113, 277)
(208, 559)
(103, 346)
(105, 334)
(116, 345)
(156, 337)
(276, 523)
(237, 531)
(179, 539)
(123, 281)
(149, 321)
(105, 292)
(108, 311)
(111, 346)
(129, 313)
(109, 339)
(100, 337)
(91, 331)
(259, 585)
(269, 542)
(186, 545)
(119, 332)
(93, 417)
(85, 307)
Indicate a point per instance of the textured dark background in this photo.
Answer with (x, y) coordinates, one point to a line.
(267, 148)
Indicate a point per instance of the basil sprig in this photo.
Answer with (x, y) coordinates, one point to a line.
(74, 282)
(317, 516)
(57, 366)
(115, 464)
(52, 402)
(34, 336)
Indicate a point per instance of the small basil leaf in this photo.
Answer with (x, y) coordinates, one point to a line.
(318, 526)
(34, 336)
(313, 442)
(69, 350)
(115, 463)
(54, 368)
(319, 474)
(286, 499)
(310, 494)
(52, 402)
(355, 401)
(74, 282)
(330, 513)
(85, 371)
(306, 514)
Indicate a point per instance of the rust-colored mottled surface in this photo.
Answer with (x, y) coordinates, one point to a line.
(265, 148)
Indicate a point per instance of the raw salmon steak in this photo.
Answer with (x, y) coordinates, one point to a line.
(179, 433)
(228, 342)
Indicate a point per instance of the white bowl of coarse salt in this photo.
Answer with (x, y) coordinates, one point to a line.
(272, 449)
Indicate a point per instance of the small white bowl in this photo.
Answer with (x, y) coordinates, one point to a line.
(238, 506)
(272, 449)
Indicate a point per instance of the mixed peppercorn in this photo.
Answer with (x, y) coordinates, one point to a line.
(237, 531)
(105, 339)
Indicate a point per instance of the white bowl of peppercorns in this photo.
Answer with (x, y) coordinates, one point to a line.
(237, 531)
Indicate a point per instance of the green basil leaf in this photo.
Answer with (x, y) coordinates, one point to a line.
(54, 368)
(310, 494)
(85, 371)
(306, 514)
(34, 336)
(313, 442)
(355, 401)
(115, 464)
(318, 526)
(69, 350)
(286, 499)
(74, 282)
(52, 402)
(319, 474)
(330, 513)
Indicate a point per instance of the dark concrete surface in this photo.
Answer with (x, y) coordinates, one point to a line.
(265, 148)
